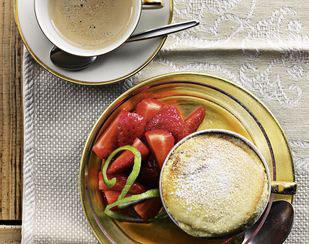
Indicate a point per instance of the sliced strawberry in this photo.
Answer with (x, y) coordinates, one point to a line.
(148, 108)
(194, 119)
(149, 208)
(168, 118)
(111, 196)
(107, 142)
(130, 127)
(150, 173)
(121, 181)
(100, 181)
(160, 142)
(125, 159)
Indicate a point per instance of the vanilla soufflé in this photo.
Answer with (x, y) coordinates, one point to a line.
(214, 185)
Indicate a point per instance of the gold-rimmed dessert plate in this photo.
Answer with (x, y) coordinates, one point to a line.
(228, 106)
(115, 66)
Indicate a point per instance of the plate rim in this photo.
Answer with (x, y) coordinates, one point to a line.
(145, 82)
(88, 83)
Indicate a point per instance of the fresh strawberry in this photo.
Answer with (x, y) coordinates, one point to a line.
(107, 142)
(194, 119)
(160, 142)
(148, 208)
(168, 118)
(111, 196)
(121, 181)
(148, 108)
(125, 159)
(100, 181)
(130, 127)
(150, 173)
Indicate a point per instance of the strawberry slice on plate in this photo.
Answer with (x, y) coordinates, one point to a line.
(150, 173)
(125, 160)
(107, 142)
(121, 181)
(148, 108)
(111, 196)
(148, 208)
(160, 142)
(130, 126)
(168, 118)
(194, 119)
(100, 181)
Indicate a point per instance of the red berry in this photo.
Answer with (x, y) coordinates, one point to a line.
(130, 127)
(107, 142)
(121, 181)
(168, 118)
(125, 159)
(160, 142)
(194, 119)
(148, 208)
(148, 108)
(150, 173)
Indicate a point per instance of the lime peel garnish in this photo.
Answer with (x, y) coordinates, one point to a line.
(133, 175)
(123, 201)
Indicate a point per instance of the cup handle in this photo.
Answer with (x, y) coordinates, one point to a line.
(283, 187)
(152, 4)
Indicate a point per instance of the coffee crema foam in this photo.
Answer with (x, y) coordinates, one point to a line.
(214, 185)
(92, 24)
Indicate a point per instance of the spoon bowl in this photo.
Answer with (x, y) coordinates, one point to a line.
(69, 61)
(277, 226)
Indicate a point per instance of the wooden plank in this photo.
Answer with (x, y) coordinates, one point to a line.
(11, 118)
(10, 234)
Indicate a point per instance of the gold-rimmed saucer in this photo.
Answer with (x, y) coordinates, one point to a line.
(228, 107)
(118, 65)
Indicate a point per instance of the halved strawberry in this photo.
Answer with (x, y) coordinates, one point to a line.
(121, 181)
(107, 142)
(130, 127)
(148, 108)
(100, 181)
(148, 208)
(125, 159)
(168, 118)
(194, 119)
(111, 196)
(150, 173)
(160, 142)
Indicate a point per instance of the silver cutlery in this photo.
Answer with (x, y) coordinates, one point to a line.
(277, 226)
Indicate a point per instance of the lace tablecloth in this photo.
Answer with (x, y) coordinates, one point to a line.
(260, 44)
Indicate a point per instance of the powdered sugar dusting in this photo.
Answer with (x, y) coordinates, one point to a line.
(217, 183)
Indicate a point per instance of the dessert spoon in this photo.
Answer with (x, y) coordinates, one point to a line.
(277, 226)
(72, 62)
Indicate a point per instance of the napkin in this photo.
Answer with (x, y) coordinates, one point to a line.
(258, 44)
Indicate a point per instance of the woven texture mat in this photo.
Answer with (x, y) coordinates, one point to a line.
(258, 44)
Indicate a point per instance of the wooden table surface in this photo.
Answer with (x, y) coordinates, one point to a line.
(11, 126)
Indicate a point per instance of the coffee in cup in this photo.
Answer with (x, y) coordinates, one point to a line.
(89, 27)
(92, 24)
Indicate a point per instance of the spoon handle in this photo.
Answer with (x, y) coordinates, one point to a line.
(162, 31)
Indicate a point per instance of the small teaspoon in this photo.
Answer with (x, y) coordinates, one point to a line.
(72, 62)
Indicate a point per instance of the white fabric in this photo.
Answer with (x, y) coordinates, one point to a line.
(260, 44)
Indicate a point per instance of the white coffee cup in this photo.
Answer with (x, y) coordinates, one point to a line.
(45, 22)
